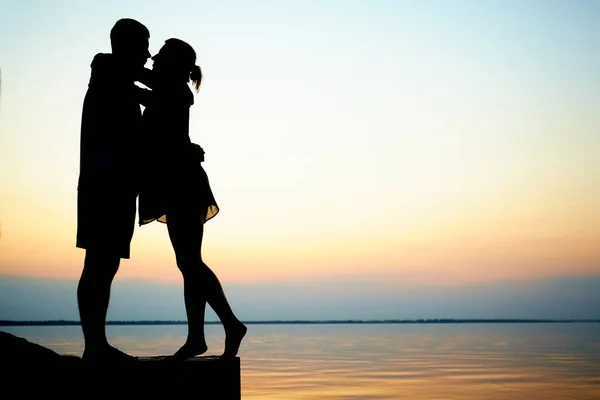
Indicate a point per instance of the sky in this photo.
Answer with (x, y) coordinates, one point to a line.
(371, 159)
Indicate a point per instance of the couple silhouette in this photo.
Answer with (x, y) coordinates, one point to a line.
(126, 154)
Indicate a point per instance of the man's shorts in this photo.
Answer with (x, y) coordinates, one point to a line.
(106, 218)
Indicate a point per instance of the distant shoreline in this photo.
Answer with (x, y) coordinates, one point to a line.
(312, 322)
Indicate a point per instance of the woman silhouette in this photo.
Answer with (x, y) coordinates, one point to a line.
(175, 189)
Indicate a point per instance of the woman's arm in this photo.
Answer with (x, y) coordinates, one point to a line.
(145, 78)
(144, 96)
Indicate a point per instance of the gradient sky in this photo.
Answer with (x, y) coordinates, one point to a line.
(366, 155)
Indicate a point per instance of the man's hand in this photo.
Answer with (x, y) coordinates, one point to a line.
(197, 151)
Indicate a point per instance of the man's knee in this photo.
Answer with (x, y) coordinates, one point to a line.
(100, 264)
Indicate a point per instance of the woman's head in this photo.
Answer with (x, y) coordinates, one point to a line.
(177, 59)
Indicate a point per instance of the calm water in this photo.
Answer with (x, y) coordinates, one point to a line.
(442, 361)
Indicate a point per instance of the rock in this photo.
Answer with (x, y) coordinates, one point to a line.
(16, 351)
(35, 371)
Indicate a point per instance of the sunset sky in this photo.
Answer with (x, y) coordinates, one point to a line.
(366, 155)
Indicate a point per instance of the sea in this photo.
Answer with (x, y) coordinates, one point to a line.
(453, 361)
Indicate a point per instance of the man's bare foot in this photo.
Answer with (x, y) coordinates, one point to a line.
(191, 348)
(107, 355)
(233, 339)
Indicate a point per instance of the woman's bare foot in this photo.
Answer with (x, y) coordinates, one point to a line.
(107, 355)
(191, 348)
(233, 338)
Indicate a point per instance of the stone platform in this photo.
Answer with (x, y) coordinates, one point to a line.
(30, 370)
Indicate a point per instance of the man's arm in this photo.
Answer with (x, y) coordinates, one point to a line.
(197, 152)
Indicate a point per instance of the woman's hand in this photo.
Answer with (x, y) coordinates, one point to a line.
(197, 151)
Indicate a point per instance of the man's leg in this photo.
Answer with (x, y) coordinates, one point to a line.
(105, 224)
(93, 293)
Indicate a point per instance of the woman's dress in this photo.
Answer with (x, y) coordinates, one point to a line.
(172, 178)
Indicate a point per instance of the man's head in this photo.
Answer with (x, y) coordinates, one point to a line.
(129, 40)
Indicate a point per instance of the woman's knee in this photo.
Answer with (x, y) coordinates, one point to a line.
(192, 267)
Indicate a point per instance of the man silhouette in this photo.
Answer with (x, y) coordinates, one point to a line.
(107, 187)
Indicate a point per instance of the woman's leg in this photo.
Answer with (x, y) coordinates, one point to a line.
(201, 285)
(186, 242)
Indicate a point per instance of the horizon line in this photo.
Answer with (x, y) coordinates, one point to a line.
(61, 322)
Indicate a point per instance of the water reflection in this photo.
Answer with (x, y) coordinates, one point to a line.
(461, 361)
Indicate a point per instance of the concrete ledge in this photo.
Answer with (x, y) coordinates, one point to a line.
(29, 370)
